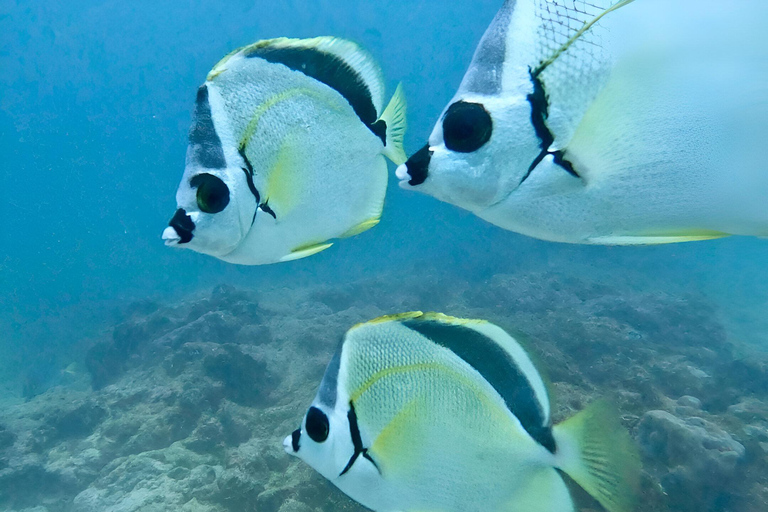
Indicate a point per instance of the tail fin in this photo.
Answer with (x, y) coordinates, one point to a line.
(598, 454)
(394, 116)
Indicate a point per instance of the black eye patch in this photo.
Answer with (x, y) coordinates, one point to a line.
(212, 193)
(317, 425)
(466, 127)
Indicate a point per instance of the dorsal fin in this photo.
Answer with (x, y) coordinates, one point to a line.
(564, 47)
(574, 55)
(340, 64)
(576, 35)
(485, 72)
(501, 361)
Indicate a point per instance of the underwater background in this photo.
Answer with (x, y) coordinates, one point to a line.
(136, 377)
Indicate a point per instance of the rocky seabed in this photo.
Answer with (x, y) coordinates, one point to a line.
(187, 404)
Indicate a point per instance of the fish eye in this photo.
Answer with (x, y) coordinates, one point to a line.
(317, 425)
(212, 193)
(466, 127)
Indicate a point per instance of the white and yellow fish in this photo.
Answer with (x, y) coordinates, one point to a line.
(609, 122)
(286, 152)
(425, 412)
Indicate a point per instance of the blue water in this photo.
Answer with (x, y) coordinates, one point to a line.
(94, 112)
(95, 106)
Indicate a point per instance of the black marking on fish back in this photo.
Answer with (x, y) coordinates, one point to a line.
(330, 70)
(203, 139)
(326, 395)
(539, 113)
(357, 442)
(485, 74)
(498, 368)
(379, 128)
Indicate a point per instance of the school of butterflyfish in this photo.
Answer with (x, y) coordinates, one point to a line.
(575, 122)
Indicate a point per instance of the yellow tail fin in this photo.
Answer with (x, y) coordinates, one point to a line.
(394, 116)
(594, 449)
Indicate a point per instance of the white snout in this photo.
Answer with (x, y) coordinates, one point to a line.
(171, 237)
(402, 172)
(288, 445)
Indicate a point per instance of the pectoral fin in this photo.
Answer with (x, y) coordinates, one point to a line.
(304, 251)
(396, 446)
(363, 226)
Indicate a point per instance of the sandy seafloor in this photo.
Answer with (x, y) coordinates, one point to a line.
(183, 405)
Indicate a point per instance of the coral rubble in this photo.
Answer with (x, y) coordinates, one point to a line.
(191, 401)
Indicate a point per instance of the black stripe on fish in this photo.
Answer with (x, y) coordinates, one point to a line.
(266, 209)
(357, 442)
(485, 73)
(497, 367)
(539, 113)
(204, 142)
(331, 70)
(248, 170)
(326, 395)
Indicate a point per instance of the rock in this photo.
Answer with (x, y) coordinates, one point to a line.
(104, 363)
(246, 381)
(7, 438)
(239, 489)
(272, 499)
(679, 376)
(20, 484)
(78, 422)
(207, 437)
(162, 480)
(254, 334)
(750, 410)
(694, 458)
(291, 505)
(689, 401)
(192, 399)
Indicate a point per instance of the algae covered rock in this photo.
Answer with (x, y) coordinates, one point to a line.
(246, 381)
(694, 459)
(191, 400)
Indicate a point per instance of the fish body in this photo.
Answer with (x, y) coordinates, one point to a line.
(286, 151)
(428, 412)
(609, 122)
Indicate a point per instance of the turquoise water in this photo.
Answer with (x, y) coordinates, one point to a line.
(95, 105)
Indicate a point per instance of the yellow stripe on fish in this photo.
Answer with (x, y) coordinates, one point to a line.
(264, 107)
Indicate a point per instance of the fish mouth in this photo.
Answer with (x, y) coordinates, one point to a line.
(291, 442)
(179, 230)
(416, 170)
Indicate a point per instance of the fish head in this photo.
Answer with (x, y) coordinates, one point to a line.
(210, 218)
(215, 203)
(323, 441)
(477, 151)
